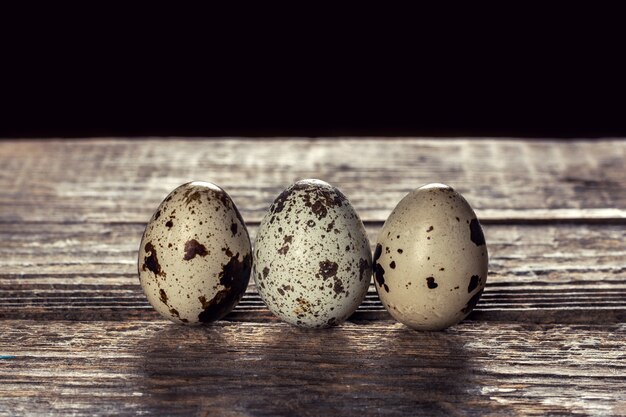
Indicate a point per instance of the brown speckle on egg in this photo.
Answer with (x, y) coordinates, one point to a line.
(193, 248)
(195, 265)
(456, 263)
(151, 262)
(472, 302)
(365, 271)
(474, 281)
(163, 296)
(318, 253)
(476, 233)
(430, 281)
(328, 269)
(234, 288)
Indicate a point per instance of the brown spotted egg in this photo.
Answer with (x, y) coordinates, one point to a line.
(312, 256)
(430, 262)
(195, 255)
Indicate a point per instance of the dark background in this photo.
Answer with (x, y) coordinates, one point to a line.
(540, 75)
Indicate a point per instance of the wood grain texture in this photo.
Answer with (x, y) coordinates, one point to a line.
(77, 336)
(274, 369)
(124, 181)
(562, 273)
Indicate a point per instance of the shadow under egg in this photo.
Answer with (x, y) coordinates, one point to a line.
(278, 369)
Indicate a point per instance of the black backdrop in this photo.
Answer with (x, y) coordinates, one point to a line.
(485, 78)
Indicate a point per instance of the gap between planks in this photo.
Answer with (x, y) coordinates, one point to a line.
(357, 369)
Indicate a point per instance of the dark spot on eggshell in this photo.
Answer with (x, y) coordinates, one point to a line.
(392, 265)
(287, 239)
(379, 271)
(226, 202)
(266, 271)
(317, 197)
(328, 269)
(157, 214)
(338, 287)
(279, 204)
(364, 267)
(233, 228)
(474, 281)
(151, 262)
(162, 296)
(192, 195)
(430, 229)
(304, 307)
(280, 291)
(332, 321)
(320, 198)
(174, 312)
(472, 303)
(476, 233)
(310, 223)
(228, 252)
(238, 215)
(400, 251)
(319, 209)
(193, 248)
(169, 224)
(430, 281)
(234, 278)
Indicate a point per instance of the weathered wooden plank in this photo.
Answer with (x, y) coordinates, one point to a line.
(369, 368)
(123, 181)
(72, 212)
(538, 273)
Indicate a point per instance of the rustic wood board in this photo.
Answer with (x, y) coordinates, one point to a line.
(367, 368)
(77, 336)
(124, 181)
(561, 272)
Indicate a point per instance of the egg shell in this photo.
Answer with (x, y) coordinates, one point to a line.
(430, 261)
(195, 255)
(312, 256)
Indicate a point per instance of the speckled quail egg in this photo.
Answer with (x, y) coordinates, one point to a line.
(312, 258)
(430, 261)
(195, 255)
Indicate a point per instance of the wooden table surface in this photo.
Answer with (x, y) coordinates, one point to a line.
(78, 337)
